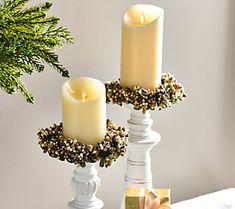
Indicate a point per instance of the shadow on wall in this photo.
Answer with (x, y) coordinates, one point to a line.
(230, 70)
(230, 57)
(229, 89)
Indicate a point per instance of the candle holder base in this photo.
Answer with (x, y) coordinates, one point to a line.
(141, 141)
(85, 184)
(97, 204)
(138, 174)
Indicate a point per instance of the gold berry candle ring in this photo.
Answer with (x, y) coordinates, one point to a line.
(168, 93)
(85, 137)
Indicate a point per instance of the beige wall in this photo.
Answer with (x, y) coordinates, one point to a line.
(196, 154)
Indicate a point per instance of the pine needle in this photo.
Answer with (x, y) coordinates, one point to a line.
(28, 38)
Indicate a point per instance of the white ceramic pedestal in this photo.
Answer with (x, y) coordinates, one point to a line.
(141, 141)
(85, 184)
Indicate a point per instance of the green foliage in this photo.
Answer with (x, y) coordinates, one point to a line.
(27, 42)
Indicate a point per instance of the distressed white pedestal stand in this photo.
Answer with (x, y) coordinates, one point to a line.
(85, 184)
(141, 140)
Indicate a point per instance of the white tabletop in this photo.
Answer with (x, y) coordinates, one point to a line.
(224, 199)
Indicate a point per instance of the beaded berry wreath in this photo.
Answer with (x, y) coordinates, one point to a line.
(168, 92)
(53, 142)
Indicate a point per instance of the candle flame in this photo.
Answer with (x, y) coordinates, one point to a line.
(142, 18)
(84, 96)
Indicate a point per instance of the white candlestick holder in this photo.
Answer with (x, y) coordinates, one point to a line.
(141, 140)
(85, 184)
(141, 137)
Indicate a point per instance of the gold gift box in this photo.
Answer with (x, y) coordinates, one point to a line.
(143, 198)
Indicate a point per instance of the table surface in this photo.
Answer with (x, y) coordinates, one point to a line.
(224, 199)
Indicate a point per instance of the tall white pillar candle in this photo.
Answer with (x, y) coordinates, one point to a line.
(84, 109)
(141, 51)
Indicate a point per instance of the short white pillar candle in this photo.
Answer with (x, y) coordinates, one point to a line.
(84, 109)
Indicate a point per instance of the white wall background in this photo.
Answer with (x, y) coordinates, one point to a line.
(196, 154)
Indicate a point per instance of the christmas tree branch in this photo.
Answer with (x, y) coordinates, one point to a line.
(27, 42)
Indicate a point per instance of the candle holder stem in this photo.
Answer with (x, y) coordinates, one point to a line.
(141, 141)
(85, 184)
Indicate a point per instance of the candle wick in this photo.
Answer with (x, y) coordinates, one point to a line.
(84, 96)
(142, 18)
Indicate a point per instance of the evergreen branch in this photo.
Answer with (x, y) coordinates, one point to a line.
(36, 9)
(10, 82)
(33, 21)
(27, 40)
(24, 91)
(52, 59)
(15, 4)
(36, 64)
(7, 77)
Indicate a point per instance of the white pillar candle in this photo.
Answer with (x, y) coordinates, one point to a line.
(141, 52)
(84, 110)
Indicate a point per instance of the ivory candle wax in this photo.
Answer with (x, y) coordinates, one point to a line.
(84, 110)
(141, 50)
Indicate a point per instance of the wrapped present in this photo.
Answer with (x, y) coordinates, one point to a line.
(142, 198)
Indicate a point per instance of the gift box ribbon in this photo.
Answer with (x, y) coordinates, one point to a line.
(142, 198)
